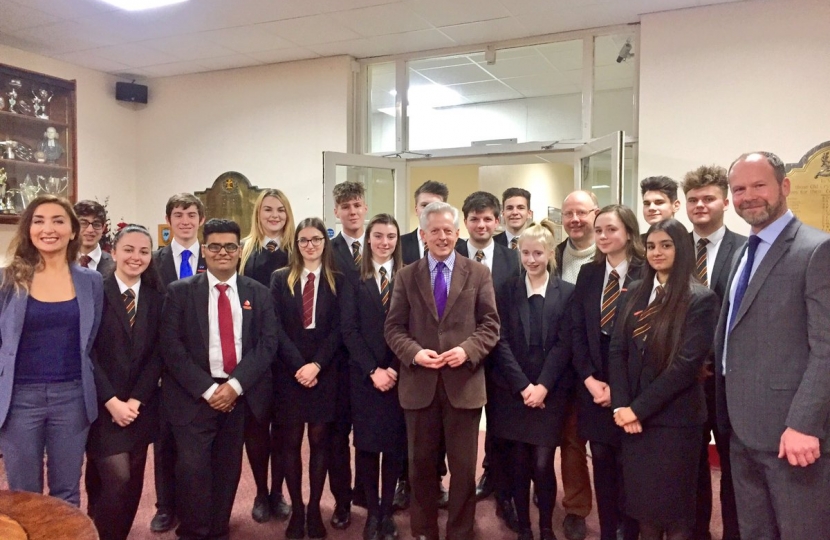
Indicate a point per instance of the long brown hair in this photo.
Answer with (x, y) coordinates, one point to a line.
(666, 334)
(634, 249)
(25, 257)
(367, 269)
(253, 241)
(296, 263)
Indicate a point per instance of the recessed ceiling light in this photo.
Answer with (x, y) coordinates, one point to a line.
(138, 5)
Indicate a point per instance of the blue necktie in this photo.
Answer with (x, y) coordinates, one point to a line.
(185, 270)
(743, 280)
(439, 290)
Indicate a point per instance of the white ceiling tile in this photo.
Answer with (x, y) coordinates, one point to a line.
(283, 55)
(68, 9)
(470, 90)
(247, 39)
(485, 31)
(542, 85)
(91, 61)
(446, 61)
(518, 67)
(504, 95)
(64, 37)
(552, 22)
(422, 40)
(135, 55)
(327, 6)
(229, 62)
(456, 75)
(358, 48)
(192, 47)
(311, 30)
(17, 17)
(444, 13)
(170, 69)
(381, 20)
(532, 7)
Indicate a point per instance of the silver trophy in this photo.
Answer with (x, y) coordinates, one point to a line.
(41, 98)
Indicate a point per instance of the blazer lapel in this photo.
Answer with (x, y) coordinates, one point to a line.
(424, 286)
(16, 310)
(113, 293)
(776, 251)
(201, 297)
(374, 292)
(246, 301)
(724, 255)
(551, 306)
(524, 308)
(86, 303)
(459, 278)
(141, 320)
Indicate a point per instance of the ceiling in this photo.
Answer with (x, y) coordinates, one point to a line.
(207, 35)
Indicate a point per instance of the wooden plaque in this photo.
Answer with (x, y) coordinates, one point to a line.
(810, 192)
(230, 197)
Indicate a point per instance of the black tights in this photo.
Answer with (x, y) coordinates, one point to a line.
(536, 463)
(649, 531)
(368, 465)
(608, 487)
(121, 479)
(318, 441)
(257, 446)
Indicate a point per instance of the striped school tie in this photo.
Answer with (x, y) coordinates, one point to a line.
(610, 296)
(271, 246)
(700, 266)
(356, 253)
(384, 289)
(479, 256)
(129, 303)
(514, 244)
(646, 314)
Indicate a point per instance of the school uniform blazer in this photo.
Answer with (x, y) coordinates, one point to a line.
(513, 369)
(163, 260)
(184, 338)
(505, 263)
(470, 321)
(362, 319)
(106, 265)
(410, 247)
(127, 365)
(674, 396)
(343, 260)
(89, 293)
(262, 263)
(501, 239)
(587, 357)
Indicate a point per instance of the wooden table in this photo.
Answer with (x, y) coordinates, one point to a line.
(31, 516)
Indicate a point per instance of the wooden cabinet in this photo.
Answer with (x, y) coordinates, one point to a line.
(37, 139)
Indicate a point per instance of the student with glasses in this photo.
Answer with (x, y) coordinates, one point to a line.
(661, 340)
(306, 377)
(93, 219)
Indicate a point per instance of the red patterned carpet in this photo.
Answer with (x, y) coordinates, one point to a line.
(488, 526)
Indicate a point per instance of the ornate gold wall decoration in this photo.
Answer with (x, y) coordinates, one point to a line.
(810, 193)
(230, 197)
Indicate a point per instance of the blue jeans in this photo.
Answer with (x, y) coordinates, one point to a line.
(48, 418)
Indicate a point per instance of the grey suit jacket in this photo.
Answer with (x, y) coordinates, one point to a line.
(89, 290)
(778, 357)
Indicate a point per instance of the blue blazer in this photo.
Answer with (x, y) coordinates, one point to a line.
(89, 290)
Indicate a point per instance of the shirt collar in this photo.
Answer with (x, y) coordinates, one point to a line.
(771, 232)
(212, 281)
(387, 265)
(123, 287)
(95, 254)
(713, 238)
(657, 284)
(178, 248)
(529, 287)
(488, 250)
(349, 240)
(265, 241)
(316, 273)
(622, 269)
(449, 262)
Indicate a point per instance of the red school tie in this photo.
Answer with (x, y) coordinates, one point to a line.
(308, 301)
(226, 330)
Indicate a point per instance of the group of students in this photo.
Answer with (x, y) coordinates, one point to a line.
(203, 348)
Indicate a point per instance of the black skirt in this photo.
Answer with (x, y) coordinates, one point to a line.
(595, 422)
(377, 417)
(660, 468)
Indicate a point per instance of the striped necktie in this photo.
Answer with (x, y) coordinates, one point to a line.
(271, 246)
(700, 267)
(308, 301)
(646, 314)
(610, 296)
(129, 303)
(479, 256)
(514, 244)
(356, 253)
(384, 289)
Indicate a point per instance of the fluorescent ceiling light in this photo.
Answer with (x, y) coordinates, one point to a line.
(138, 5)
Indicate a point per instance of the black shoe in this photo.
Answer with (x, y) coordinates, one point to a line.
(341, 518)
(485, 486)
(443, 496)
(370, 531)
(507, 512)
(525, 534)
(296, 525)
(574, 527)
(162, 522)
(279, 508)
(388, 529)
(547, 534)
(314, 523)
(261, 511)
(359, 498)
(401, 499)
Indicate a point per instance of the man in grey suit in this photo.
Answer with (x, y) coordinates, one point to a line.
(773, 361)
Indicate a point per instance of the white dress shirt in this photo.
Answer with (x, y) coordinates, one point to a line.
(94, 256)
(711, 249)
(541, 290)
(123, 288)
(177, 255)
(622, 270)
(217, 368)
(654, 289)
(349, 241)
(388, 266)
(265, 241)
(488, 253)
(303, 280)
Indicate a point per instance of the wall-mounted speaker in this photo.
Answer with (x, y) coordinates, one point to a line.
(135, 93)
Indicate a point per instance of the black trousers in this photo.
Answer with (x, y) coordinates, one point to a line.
(340, 464)
(208, 468)
(121, 478)
(608, 487)
(164, 467)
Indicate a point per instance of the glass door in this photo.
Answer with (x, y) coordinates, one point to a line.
(598, 167)
(384, 179)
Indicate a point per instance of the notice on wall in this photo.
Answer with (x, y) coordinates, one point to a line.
(810, 192)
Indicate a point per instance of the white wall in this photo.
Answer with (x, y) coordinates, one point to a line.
(107, 137)
(721, 80)
(270, 123)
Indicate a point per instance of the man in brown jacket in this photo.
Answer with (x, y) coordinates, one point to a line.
(442, 323)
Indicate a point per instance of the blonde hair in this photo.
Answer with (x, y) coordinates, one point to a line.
(543, 232)
(253, 241)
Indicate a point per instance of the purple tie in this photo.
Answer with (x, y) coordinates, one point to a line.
(439, 291)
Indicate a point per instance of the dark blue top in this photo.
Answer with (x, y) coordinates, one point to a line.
(50, 344)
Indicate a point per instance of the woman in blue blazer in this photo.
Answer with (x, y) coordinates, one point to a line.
(50, 310)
